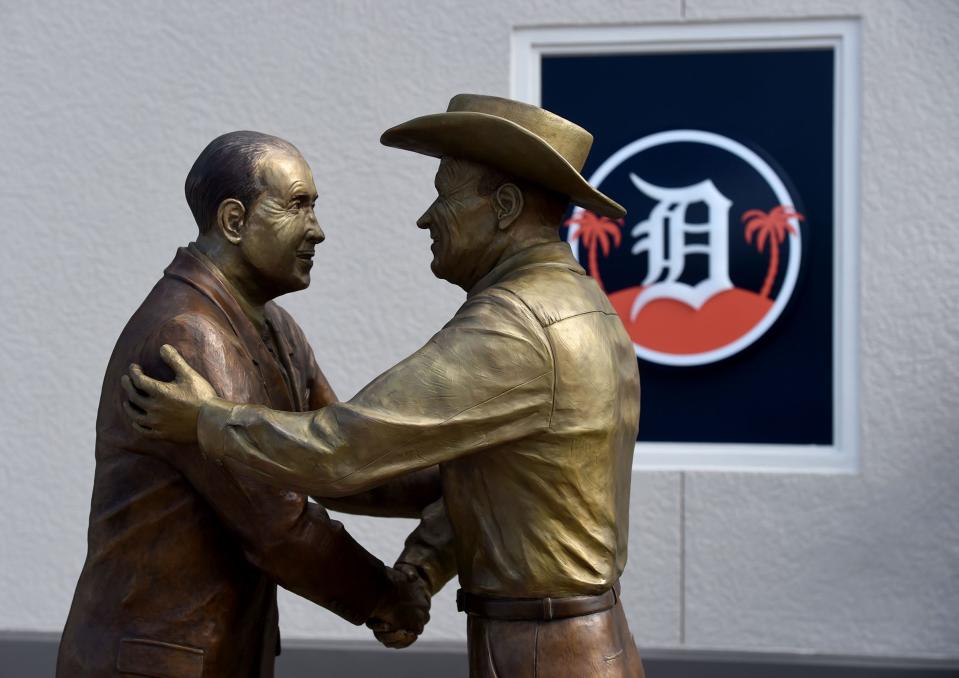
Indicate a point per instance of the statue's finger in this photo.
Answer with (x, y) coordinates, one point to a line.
(135, 415)
(145, 384)
(397, 639)
(133, 395)
(421, 621)
(144, 431)
(177, 362)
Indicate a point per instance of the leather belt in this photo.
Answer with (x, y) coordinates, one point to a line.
(535, 609)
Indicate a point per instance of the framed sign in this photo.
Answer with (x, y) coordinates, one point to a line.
(734, 148)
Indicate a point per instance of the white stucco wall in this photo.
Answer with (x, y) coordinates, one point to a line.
(104, 106)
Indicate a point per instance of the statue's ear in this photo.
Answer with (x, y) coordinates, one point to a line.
(508, 204)
(230, 219)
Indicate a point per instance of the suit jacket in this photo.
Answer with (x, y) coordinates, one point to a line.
(180, 574)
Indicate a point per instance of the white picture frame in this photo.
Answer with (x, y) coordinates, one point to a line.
(530, 44)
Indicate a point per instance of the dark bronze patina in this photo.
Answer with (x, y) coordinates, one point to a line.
(183, 559)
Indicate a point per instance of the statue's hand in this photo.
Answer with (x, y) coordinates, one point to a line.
(400, 617)
(166, 410)
(395, 640)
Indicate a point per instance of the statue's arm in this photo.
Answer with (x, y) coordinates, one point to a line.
(484, 380)
(429, 549)
(403, 497)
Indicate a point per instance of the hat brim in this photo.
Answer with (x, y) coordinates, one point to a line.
(504, 145)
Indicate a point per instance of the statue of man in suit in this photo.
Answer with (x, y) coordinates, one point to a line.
(528, 399)
(183, 560)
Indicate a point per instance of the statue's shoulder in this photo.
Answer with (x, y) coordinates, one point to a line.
(176, 306)
(554, 292)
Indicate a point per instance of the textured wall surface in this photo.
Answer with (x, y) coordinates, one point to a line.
(104, 106)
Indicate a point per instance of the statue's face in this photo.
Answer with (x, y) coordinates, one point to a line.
(461, 224)
(281, 230)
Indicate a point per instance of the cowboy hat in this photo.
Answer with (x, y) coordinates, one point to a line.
(516, 138)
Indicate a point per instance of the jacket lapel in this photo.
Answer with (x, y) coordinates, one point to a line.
(189, 268)
(286, 356)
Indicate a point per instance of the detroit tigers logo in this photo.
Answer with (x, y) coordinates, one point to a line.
(710, 254)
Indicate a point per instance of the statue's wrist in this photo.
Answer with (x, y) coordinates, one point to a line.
(211, 423)
(417, 571)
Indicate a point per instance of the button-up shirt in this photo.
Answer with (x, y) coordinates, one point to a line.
(529, 401)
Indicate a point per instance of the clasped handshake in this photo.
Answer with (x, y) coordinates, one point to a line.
(400, 616)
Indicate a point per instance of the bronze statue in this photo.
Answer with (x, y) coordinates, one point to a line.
(183, 560)
(528, 399)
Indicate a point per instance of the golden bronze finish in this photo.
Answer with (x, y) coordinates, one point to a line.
(183, 559)
(528, 399)
(522, 140)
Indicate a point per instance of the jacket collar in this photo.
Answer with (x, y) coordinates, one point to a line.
(554, 254)
(193, 268)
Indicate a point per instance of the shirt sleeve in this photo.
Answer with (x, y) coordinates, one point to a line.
(430, 548)
(482, 381)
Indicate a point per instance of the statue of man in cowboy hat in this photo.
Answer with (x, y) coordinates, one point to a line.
(528, 399)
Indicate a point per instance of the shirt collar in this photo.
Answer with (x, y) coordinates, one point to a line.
(544, 254)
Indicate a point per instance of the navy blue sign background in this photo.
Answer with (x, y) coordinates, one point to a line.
(780, 105)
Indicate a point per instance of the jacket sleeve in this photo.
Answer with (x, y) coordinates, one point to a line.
(484, 380)
(292, 540)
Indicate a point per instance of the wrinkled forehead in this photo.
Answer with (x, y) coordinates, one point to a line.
(456, 173)
(283, 173)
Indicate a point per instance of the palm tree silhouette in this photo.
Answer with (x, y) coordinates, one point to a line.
(771, 226)
(594, 232)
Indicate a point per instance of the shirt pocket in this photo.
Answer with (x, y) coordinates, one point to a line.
(155, 659)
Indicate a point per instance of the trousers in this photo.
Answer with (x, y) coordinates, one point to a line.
(595, 645)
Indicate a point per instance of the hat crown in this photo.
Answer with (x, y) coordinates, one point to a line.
(568, 139)
(518, 139)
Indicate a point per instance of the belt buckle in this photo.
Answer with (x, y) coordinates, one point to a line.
(460, 600)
